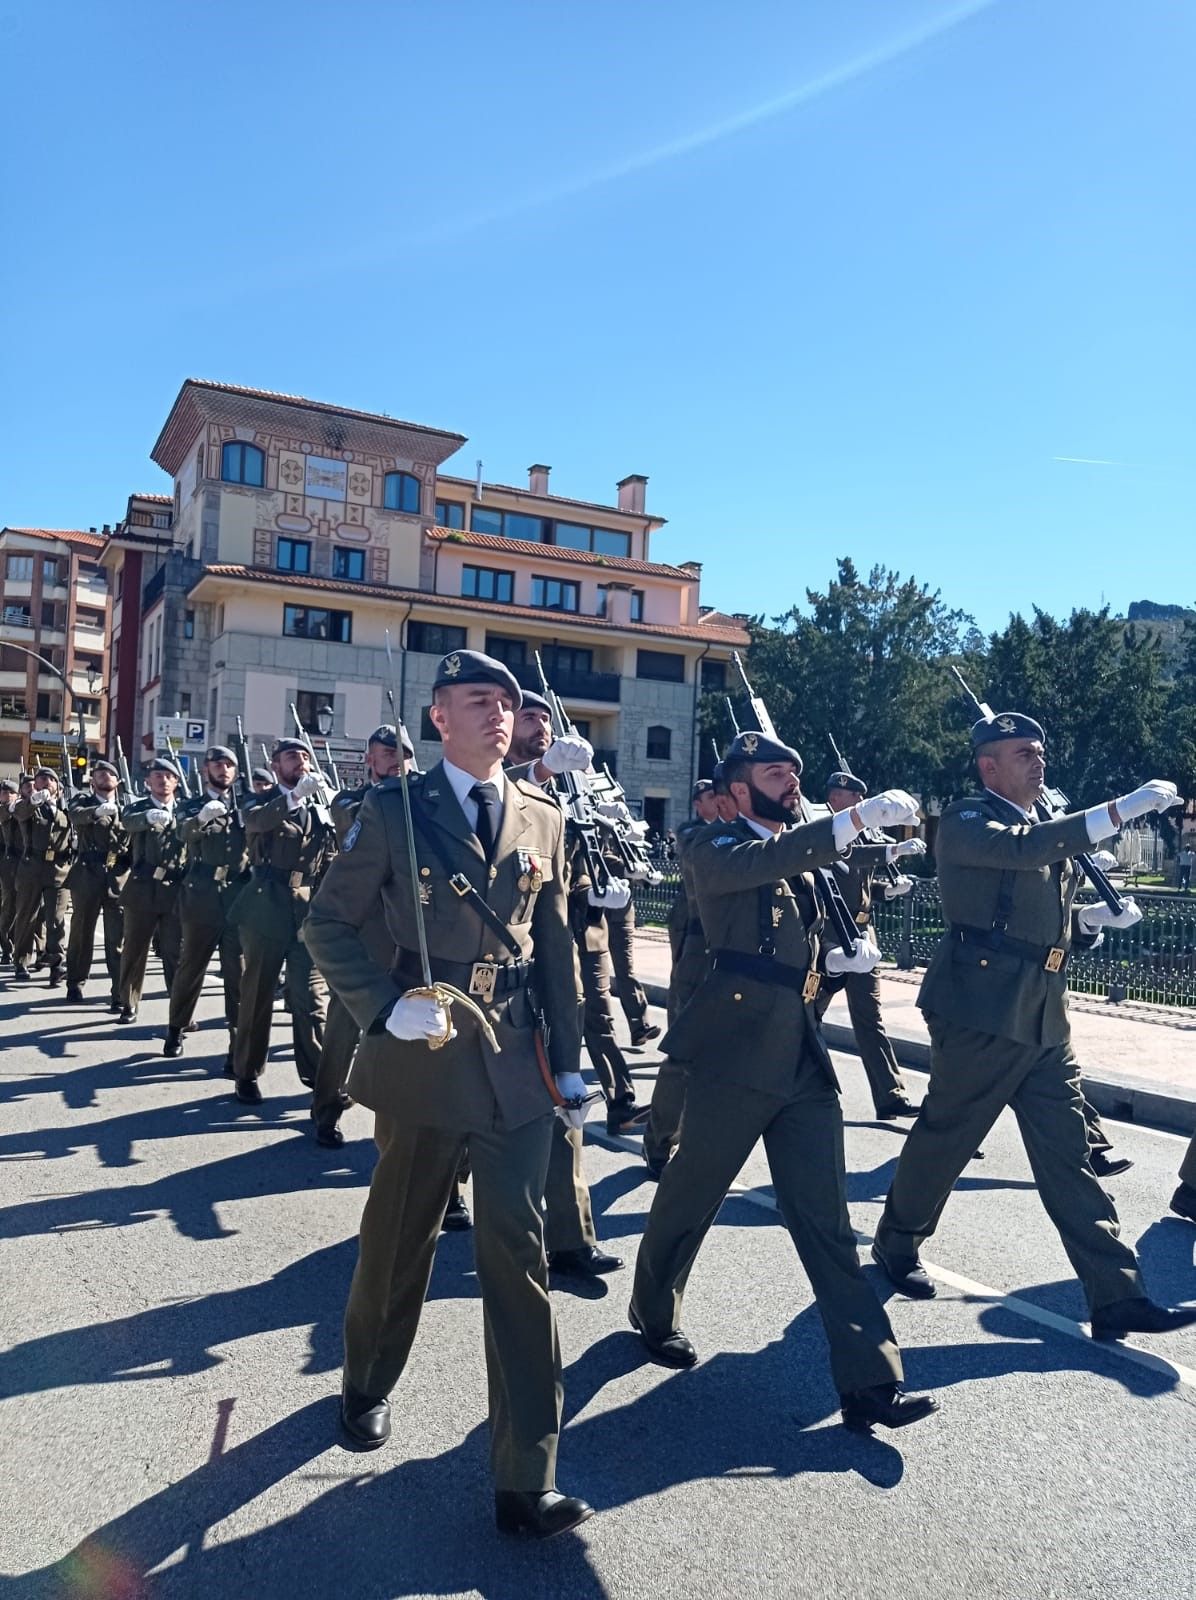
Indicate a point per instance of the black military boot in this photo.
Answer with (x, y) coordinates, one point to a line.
(54, 978)
(174, 1042)
(74, 994)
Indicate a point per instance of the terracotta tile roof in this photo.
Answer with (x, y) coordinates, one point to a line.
(76, 536)
(722, 631)
(158, 499)
(549, 500)
(321, 405)
(558, 552)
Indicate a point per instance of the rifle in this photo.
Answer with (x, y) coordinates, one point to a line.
(122, 766)
(580, 814)
(336, 777)
(244, 779)
(714, 747)
(981, 711)
(829, 895)
(731, 708)
(870, 835)
(305, 739)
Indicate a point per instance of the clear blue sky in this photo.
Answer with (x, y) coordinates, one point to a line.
(842, 278)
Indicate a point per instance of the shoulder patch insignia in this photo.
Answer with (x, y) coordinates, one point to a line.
(352, 836)
(966, 816)
(723, 838)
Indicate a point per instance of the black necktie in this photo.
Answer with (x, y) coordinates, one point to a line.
(486, 796)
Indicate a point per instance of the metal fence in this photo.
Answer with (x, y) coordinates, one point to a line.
(1153, 962)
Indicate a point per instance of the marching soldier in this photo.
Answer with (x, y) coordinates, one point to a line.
(95, 882)
(42, 873)
(263, 780)
(995, 1001)
(487, 886)
(762, 923)
(855, 879)
(150, 897)
(10, 853)
(341, 1033)
(291, 841)
(217, 871)
(620, 938)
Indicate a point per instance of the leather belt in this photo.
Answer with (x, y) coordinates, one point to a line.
(144, 870)
(482, 979)
(1051, 958)
(765, 969)
(221, 874)
(290, 880)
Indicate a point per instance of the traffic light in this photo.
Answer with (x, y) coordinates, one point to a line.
(80, 762)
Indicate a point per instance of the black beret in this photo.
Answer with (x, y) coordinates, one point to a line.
(104, 766)
(160, 764)
(703, 786)
(471, 666)
(758, 748)
(220, 752)
(263, 775)
(534, 702)
(387, 736)
(288, 744)
(1006, 725)
(847, 780)
(10, 784)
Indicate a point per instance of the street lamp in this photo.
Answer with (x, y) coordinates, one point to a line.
(325, 717)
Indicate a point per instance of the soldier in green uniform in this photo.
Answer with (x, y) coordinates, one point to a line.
(217, 872)
(762, 924)
(10, 854)
(150, 897)
(263, 780)
(488, 876)
(855, 878)
(41, 874)
(341, 1033)
(95, 882)
(995, 1002)
(291, 841)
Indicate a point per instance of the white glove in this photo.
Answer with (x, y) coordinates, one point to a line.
(1105, 860)
(210, 811)
(569, 753)
(863, 958)
(571, 1087)
(892, 808)
(1156, 795)
(903, 885)
(637, 874)
(613, 808)
(654, 877)
(1092, 919)
(43, 798)
(107, 808)
(616, 898)
(157, 819)
(416, 1017)
(309, 783)
(907, 847)
(637, 827)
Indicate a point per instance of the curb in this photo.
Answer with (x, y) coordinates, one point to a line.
(1129, 1099)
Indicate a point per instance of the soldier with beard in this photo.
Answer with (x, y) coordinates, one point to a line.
(95, 882)
(150, 897)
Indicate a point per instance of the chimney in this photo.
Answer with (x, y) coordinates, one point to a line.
(631, 492)
(537, 478)
(618, 603)
(692, 566)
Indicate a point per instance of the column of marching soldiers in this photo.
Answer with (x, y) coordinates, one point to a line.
(447, 941)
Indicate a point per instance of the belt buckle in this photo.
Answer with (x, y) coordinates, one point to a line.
(50, 854)
(862, 918)
(482, 979)
(809, 989)
(1054, 960)
(159, 874)
(296, 880)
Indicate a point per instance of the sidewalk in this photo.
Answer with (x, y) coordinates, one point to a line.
(1139, 1062)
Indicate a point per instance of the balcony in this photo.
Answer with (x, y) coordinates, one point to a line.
(571, 685)
(153, 589)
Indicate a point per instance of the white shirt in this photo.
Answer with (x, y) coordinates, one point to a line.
(461, 782)
(1029, 815)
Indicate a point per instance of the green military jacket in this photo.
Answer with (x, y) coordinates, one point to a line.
(993, 865)
(289, 851)
(344, 809)
(464, 1086)
(101, 844)
(47, 838)
(156, 855)
(12, 842)
(687, 940)
(743, 1029)
(217, 855)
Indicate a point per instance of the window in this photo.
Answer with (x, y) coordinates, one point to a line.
(660, 741)
(483, 520)
(120, 582)
(50, 571)
(434, 638)
(635, 611)
(517, 525)
(52, 616)
(18, 617)
(241, 463)
(213, 708)
(20, 569)
(161, 519)
(400, 492)
(13, 705)
(188, 624)
(184, 704)
(659, 665)
(513, 652)
(48, 707)
(348, 563)
(450, 514)
(220, 619)
(637, 605)
(544, 530)
(582, 724)
(293, 555)
(714, 677)
(427, 728)
(573, 535)
(312, 622)
(307, 704)
(199, 465)
(610, 542)
(564, 658)
(89, 619)
(555, 594)
(485, 583)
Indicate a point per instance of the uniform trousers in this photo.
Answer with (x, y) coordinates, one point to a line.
(598, 1026)
(8, 904)
(41, 908)
(341, 1035)
(876, 1052)
(568, 1218)
(803, 1141)
(266, 953)
(400, 1226)
(1187, 1171)
(620, 931)
(204, 909)
(663, 1131)
(151, 909)
(93, 894)
(973, 1077)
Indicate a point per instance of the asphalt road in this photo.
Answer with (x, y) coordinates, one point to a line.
(174, 1272)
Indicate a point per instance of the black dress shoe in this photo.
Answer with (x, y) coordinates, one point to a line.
(655, 1169)
(906, 1274)
(1108, 1167)
(174, 1042)
(1183, 1202)
(19, 971)
(674, 1350)
(895, 1106)
(1139, 1316)
(54, 978)
(542, 1513)
(127, 1014)
(645, 1035)
(587, 1261)
(247, 1092)
(456, 1216)
(114, 1002)
(74, 994)
(330, 1137)
(366, 1421)
(623, 1120)
(886, 1404)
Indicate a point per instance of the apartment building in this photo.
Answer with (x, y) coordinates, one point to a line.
(53, 606)
(299, 534)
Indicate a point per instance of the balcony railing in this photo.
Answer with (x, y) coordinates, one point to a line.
(153, 588)
(571, 685)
